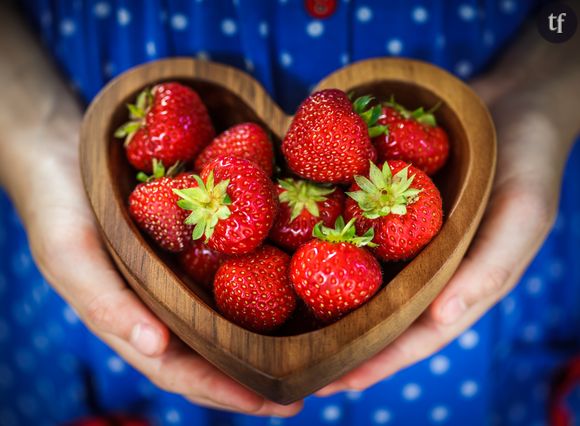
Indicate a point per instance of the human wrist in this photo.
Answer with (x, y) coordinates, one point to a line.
(547, 105)
(556, 99)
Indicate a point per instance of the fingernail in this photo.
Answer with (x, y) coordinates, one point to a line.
(328, 390)
(145, 339)
(452, 310)
(283, 411)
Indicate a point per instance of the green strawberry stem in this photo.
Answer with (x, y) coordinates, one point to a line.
(159, 171)
(384, 193)
(208, 203)
(342, 233)
(302, 194)
(137, 113)
(370, 115)
(420, 115)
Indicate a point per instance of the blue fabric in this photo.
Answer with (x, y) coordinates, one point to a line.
(52, 369)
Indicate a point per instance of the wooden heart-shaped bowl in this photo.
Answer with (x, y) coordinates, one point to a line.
(297, 360)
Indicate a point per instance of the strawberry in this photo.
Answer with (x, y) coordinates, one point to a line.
(169, 123)
(302, 205)
(153, 206)
(247, 140)
(201, 262)
(254, 290)
(333, 274)
(401, 204)
(233, 205)
(412, 136)
(328, 140)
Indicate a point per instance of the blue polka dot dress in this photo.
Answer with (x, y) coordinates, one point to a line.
(53, 370)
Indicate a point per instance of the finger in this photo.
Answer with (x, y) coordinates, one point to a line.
(180, 370)
(213, 385)
(419, 341)
(84, 275)
(401, 351)
(506, 243)
(272, 409)
(504, 246)
(519, 216)
(268, 409)
(115, 309)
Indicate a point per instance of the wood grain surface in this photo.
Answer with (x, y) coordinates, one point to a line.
(297, 360)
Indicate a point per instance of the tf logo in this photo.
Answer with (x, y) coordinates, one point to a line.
(557, 22)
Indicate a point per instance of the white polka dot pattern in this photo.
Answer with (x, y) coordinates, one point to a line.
(467, 12)
(443, 389)
(263, 29)
(67, 27)
(179, 22)
(382, 416)
(439, 364)
(285, 59)
(420, 15)
(102, 9)
(151, 48)
(123, 17)
(469, 339)
(315, 29)
(229, 27)
(115, 364)
(439, 414)
(469, 388)
(394, 46)
(411, 391)
(364, 14)
(331, 413)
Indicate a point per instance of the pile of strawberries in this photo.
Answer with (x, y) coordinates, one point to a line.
(354, 194)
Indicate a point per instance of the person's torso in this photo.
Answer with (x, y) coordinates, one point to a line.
(288, 45)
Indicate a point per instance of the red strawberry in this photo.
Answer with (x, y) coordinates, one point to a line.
(401, 204)
(247, 140)
(328, 140)
(413, 137)
(254, 290)
(201, 262)
(169, 123)
(334, 275)
(153, 206)
(302, 205)
(233, 205)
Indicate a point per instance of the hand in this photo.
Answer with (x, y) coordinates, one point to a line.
(67, 248)
(521, 211)
(39, 123)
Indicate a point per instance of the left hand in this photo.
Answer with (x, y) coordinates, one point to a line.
(521, 211)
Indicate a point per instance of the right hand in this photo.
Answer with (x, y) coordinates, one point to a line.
(69, 252)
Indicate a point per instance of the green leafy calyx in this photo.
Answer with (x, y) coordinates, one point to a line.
(159, 171)
(370, 115)
(342, 233)
(137, 113)
(301, 194)
(208, 203)
(420, 115)
(382, 193)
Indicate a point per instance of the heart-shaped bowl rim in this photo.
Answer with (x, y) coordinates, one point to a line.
(287, 368)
